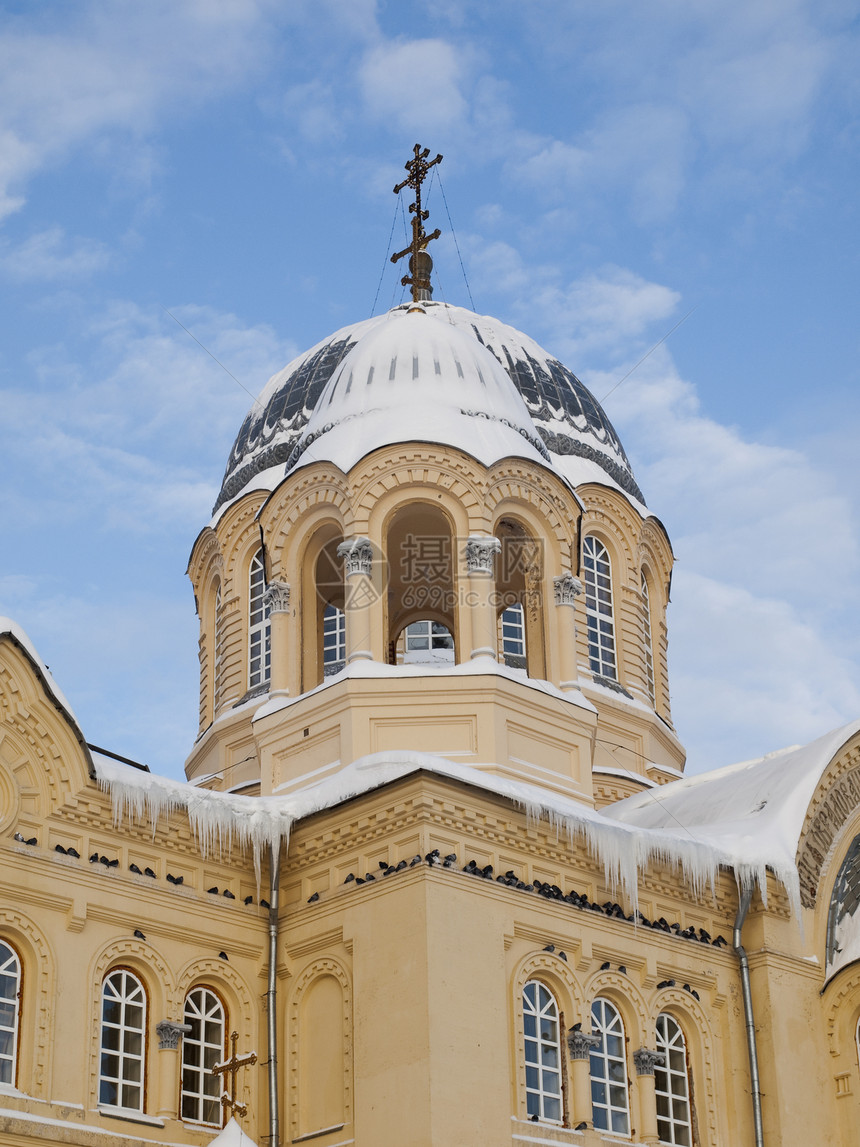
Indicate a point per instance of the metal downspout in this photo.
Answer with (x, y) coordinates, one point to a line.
(755, 1085)
(271, 999)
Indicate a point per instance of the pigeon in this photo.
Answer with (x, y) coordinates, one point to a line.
(563, 956)
(93, 859)
(223, 956)
(213, 891)
(432, 857)
(73, 852)
(416, 859)
(248, 900)
(549, 948)
(313, 899)
(449, 860)
(622, 969)
(59, 848)
(383, 864)
(349, 878)
(138, 935)
(228, 894)
(171, 879)
(133, 868)
(403, 864)
(604, 966)
(665, 984)
(149, 872)
(264, 903)
(581, 1126)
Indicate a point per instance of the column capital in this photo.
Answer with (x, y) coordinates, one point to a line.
(277, 597)
(646, 1060)
(168, 1034)
(357, 554)
(481, 550)
(567, 589)
(580, 1043)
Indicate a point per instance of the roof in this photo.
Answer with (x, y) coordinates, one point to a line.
(563, 421)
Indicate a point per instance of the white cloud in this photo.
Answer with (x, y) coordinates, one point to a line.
(415, 84)
(47, 256)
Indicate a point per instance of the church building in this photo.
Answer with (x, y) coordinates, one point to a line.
(435, 878)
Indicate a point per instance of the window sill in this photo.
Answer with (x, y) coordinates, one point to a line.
(129, 1116)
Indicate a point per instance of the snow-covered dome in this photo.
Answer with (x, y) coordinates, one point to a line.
(442, 374)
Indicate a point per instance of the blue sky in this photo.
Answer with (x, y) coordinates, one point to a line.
(608, 168)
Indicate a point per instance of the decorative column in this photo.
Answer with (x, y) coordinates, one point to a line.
(359, 596)
(645, 1061)
(579, 1045)
(277, 601)
(481, 550)
(169, 1034)
(567, 589)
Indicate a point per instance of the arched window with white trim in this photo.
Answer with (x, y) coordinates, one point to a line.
(647, 646)
(123, 1041)
(202, 1048)
(10, 1012)
(597, 576)
(609, 1099)
(334, 640)
(672, 1084)
(259, 625)
(542, 1052)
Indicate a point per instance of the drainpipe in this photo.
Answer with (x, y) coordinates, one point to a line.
(271, 998)
(755, 1085)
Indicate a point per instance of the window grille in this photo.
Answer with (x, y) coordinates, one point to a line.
(597, 573)
(334, 636)
(542, 1052)
(646, 641)
(672, 1084)
(202, 1048)
(609, 1100)
(10, 987)
(513, 625)
(123, 1046)
(260, 627)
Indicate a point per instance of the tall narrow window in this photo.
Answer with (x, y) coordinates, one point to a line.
(202, 1048)
(610, 1109)
(542, 1052)
(513, 636)
(598, 608)
(260, 628)
(647, 649)
(218, 667)
(123, 1045)
(10, 989)
(334, 639)
(672, 1084)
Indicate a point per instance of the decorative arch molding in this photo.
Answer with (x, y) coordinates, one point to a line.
(627, 998)
(451, 471)
(235, 520)
(147, 963)
(620, 545)
(833, 805)
(549, 513)
(206, 550)
(299, 509)
(654, 537)
(693, 1018)
(842, 997)
(317, 969)
(39, 970)
(222, 978)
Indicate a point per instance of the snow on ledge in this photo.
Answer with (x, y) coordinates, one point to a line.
(266, 822)
(478, 667)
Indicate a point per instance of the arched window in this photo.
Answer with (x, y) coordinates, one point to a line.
(218, 666)
(598, 608)
(647, 647)
(10, 996)
(334, 640)
(512, 624)
(427, 642)
(542, 1052)
(202, 1048)
(123, 1043)
(672, 1084)
(259, 626)
(609, 1101)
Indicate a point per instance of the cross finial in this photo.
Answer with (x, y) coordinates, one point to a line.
(231, 1067)
(420, 263)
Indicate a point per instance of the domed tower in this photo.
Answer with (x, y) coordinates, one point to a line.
(429, 537)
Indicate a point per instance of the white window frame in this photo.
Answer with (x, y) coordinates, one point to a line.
(259, 625)
(123, 988)
(201, 1050)
(512, 626)
(542, 1053)
(425, 635)
(218, 661)
(599, 616)
(10, 994)
(647, 644)
(610, 1099)
(334, 635)
(672, 1084)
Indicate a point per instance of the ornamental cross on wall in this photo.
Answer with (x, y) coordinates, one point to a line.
(231, 1067)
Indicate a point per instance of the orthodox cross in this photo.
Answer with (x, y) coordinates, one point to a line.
(420, 263)
(231, 1067)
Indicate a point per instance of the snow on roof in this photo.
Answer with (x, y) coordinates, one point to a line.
(624, 849)
(10, 628)
(754, 809)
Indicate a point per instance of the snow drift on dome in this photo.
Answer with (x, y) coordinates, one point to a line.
(623, 849)
(566, 416)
